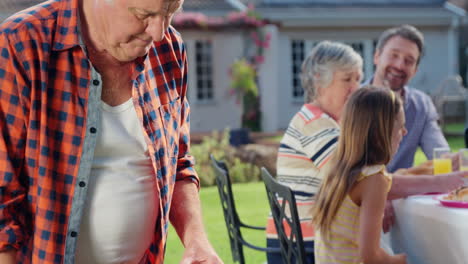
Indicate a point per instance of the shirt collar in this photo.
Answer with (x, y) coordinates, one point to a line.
(67, 31)
(403, 94)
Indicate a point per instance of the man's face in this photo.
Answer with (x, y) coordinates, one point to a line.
(396, 63)
(129, 27)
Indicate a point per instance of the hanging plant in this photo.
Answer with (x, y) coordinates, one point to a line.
(243, 76)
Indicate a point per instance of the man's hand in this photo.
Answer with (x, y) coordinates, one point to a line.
(186, 218)
(200, 252)
(389, 217)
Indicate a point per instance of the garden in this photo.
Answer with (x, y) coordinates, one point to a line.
(249, 193)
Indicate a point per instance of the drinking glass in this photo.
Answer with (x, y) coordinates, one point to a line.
(463, 159)
(442, 161)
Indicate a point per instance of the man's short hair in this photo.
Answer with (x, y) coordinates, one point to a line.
(405, 31)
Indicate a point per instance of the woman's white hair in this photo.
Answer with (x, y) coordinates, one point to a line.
(322, 62)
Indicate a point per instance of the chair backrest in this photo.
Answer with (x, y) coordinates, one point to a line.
(229, 209)
(466, 137)
(284, 212)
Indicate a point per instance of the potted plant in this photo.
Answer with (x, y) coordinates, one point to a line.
(244, 88)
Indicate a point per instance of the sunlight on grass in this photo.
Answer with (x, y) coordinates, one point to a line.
(454, 128)
(455, 143)
(252, 206)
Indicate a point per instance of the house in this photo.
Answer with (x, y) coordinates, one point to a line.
(299, 25)
(9, 7)
(213, 44)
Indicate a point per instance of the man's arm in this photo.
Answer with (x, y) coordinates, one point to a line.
(406, 185)
(185, 214)
(13, 231)
(187, 220)
(432, 136)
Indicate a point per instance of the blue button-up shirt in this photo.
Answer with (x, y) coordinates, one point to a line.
(423, 129)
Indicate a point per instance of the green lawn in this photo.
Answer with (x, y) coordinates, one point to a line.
(253, 209)
(252, 206)
(454, 128)
(455, 143)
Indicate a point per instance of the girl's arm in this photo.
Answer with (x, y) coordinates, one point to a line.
(405, 185)
(373, 194)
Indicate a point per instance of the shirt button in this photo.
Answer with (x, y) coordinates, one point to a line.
(73, 234)
(96, 82)
(93, 130)
(82, 184)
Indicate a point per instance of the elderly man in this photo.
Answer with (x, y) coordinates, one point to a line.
(95, 135)
(396, 58)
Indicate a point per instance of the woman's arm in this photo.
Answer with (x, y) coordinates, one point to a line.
(373, 194)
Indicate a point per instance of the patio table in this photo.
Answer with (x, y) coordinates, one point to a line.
(428, 232)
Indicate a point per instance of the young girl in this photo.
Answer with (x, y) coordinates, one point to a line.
(350, 204)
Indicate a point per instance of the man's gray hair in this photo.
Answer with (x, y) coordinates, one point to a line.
(407, 32)
(322, 62)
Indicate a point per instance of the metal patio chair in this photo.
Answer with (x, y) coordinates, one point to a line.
(233, 222)
(285, 215)
(466, 137)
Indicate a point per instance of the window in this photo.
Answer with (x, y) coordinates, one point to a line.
(366, 49)
(204, 70)
(298, 55)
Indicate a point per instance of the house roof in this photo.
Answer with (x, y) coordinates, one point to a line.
(9, 7)
(460, 3)
(210, 5)
(345, 3)
(12, 6)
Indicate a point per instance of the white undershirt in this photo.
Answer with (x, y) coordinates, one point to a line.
(119, 219)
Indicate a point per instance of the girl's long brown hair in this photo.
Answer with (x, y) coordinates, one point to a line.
(365, 139)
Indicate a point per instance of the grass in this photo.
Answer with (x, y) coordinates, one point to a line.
(252, 204)
(454, 128)
(455, 143)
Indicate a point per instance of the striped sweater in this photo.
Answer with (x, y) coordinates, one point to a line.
(304, 152)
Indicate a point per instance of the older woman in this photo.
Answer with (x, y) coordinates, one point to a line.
(330, 73)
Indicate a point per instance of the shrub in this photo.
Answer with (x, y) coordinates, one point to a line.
(218, 145)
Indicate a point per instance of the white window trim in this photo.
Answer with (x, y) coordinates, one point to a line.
(193, 76)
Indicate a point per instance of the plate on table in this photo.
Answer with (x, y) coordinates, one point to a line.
(451, 203)
(432, 193)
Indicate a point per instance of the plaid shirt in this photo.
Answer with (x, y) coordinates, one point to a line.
(49, 110)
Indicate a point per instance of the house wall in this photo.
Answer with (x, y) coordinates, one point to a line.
(223, 111)
(439, 62)
(275, 75)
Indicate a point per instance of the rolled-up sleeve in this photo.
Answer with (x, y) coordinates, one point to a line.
(432, 136)
(12, 148)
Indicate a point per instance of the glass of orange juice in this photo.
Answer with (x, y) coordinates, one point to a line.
(442, 161)
(463, 159)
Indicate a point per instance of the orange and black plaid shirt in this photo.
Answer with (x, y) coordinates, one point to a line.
(49, 97)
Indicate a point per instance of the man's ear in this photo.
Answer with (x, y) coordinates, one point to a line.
(376, 56)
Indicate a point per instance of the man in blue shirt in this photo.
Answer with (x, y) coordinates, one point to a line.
(397, 56)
